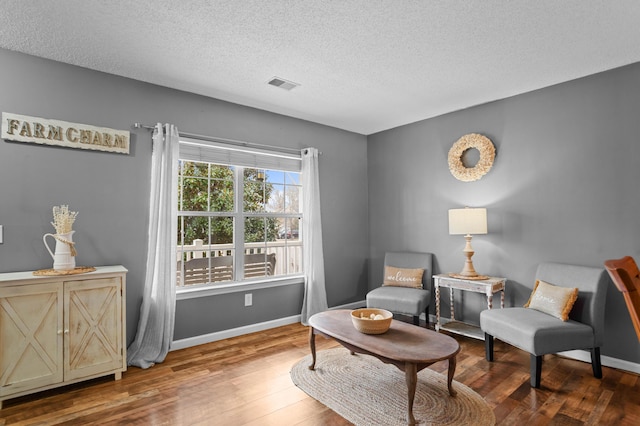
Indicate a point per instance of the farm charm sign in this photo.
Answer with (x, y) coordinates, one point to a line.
(21, 128)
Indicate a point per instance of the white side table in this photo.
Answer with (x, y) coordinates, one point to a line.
(488, 287)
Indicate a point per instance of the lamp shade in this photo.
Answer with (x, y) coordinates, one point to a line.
(467, 221)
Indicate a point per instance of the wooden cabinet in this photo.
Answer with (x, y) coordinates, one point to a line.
(60, 330)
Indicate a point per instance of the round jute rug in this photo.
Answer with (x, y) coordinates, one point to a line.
(367, 392)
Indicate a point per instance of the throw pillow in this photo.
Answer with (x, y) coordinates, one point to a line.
(402, 277)
(552, 299)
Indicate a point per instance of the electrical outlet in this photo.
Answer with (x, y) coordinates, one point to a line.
(248, 299)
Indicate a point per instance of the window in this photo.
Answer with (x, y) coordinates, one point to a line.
(239, 214)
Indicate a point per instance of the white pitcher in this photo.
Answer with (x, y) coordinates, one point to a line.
(64, 258)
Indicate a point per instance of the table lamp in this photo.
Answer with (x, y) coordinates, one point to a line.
(468, 221)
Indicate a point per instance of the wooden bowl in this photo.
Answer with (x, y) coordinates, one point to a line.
(363, 322)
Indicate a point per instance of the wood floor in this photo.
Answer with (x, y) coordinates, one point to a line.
(245, 381)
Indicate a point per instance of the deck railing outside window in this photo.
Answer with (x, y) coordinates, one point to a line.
(281, 257)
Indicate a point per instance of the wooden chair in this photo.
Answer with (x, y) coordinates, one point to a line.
(404, 300)
(625, 275)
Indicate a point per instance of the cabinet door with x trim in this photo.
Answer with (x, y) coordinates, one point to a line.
(93, 322)
(31, 336)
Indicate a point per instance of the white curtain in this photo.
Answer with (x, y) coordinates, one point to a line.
(315, 294)
(157, 313)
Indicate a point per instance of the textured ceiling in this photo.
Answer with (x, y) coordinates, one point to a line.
(362, 65)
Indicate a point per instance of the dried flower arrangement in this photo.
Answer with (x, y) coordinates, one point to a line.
(471, 141)
(63, 219)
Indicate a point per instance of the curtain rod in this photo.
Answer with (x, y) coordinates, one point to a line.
(229, 141)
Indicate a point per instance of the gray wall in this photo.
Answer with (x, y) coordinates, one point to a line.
(111, 191)
(564, 187)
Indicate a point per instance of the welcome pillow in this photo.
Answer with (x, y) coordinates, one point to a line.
(402, 277)
(552, 299)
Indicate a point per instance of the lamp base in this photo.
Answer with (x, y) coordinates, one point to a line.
(466, 277)
(468, 272)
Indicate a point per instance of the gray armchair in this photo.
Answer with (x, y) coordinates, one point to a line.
(404, 300)
(540, 333)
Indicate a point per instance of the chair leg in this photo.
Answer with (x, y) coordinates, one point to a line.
(595, 363)
(426, 315)
(536, 370)
(488, 347)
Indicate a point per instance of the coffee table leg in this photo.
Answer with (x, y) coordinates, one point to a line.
(452, 370)
(312, 345)
(411, 375)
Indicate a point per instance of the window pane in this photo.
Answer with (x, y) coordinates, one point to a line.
(260, 229)
(221, 188)
(274, 176)
(207, 269)
(292, 199)
(258, 188)
(220, 266)
(255, 175)
(193, 228)
(291, 229)
(205, 187)
(259, 264)
(275, 202)
(209, 230)
(259, 260)
(206, 252)
(194, 194)
(221, 231)
(254, 196)
(292, 178)
(287, 247)
(293, 259)
(282, 192)
(192, 168)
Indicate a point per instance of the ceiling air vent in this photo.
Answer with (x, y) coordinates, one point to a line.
(282, 83)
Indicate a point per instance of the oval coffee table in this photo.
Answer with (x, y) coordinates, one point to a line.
(408, 347)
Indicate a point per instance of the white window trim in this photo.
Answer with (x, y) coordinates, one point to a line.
(208, 289)
(238, 285)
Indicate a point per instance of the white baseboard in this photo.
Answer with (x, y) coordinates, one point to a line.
(353, 305)
(226, 334)
(606, 361)
(252, 328)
